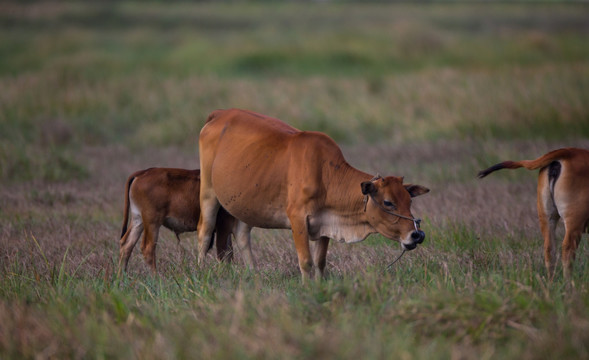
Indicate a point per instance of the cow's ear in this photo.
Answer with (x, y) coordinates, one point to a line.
(416, 190)
(368, 188)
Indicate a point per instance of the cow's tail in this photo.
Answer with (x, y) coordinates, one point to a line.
(539, 163)
(127, 200)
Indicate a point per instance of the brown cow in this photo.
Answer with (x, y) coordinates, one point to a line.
(168, 197)
(296, 180)
(563, 191)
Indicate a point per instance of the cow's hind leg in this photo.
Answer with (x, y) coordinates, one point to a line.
(129, 240)
(573, 231)
(548, 217)
(209, 206)
(571, 202)
(320, 254)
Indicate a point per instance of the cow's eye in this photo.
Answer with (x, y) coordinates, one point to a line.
(389, 204)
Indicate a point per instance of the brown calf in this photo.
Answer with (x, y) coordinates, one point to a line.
(168, 197)
(563, 192)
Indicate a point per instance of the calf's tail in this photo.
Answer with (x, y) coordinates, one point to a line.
(130, 180)
(127, 201)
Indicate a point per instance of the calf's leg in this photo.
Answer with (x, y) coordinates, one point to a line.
(129, 240)
(320, 254)
(149, 244)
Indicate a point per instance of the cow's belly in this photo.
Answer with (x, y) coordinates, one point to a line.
(180, 225)
(255, 207)
(257, 214)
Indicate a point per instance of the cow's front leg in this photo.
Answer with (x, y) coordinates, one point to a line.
(301, 240)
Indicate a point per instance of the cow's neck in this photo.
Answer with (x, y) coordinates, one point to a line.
(343, 218)
(345, 190)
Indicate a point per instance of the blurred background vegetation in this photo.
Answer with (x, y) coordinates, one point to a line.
(141, 74)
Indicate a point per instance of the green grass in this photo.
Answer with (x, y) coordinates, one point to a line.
(457, 295)
(91, 92)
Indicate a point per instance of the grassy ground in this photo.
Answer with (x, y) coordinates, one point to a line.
(92, 92)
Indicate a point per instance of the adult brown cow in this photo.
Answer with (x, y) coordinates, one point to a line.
(270, 175)
(168, 197)
(563, 191)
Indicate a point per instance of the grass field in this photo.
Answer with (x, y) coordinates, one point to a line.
(90, 92)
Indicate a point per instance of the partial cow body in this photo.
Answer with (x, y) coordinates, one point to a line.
(296, 180)
(168, 197)
(563, 192)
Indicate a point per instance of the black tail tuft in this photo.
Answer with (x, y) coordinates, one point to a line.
(495, 167)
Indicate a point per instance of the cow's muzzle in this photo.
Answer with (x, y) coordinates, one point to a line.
(416, 238)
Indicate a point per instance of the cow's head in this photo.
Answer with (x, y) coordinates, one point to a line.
(388, 209)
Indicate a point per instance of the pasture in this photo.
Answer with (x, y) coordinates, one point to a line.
(91, 92)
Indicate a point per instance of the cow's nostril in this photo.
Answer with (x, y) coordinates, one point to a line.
(418, 236)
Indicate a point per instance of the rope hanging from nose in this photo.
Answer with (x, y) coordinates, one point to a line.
(397, 259)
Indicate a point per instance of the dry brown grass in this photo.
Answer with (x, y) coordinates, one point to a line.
(85, 216)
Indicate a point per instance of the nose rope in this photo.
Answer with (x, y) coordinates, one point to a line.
(397, 259)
